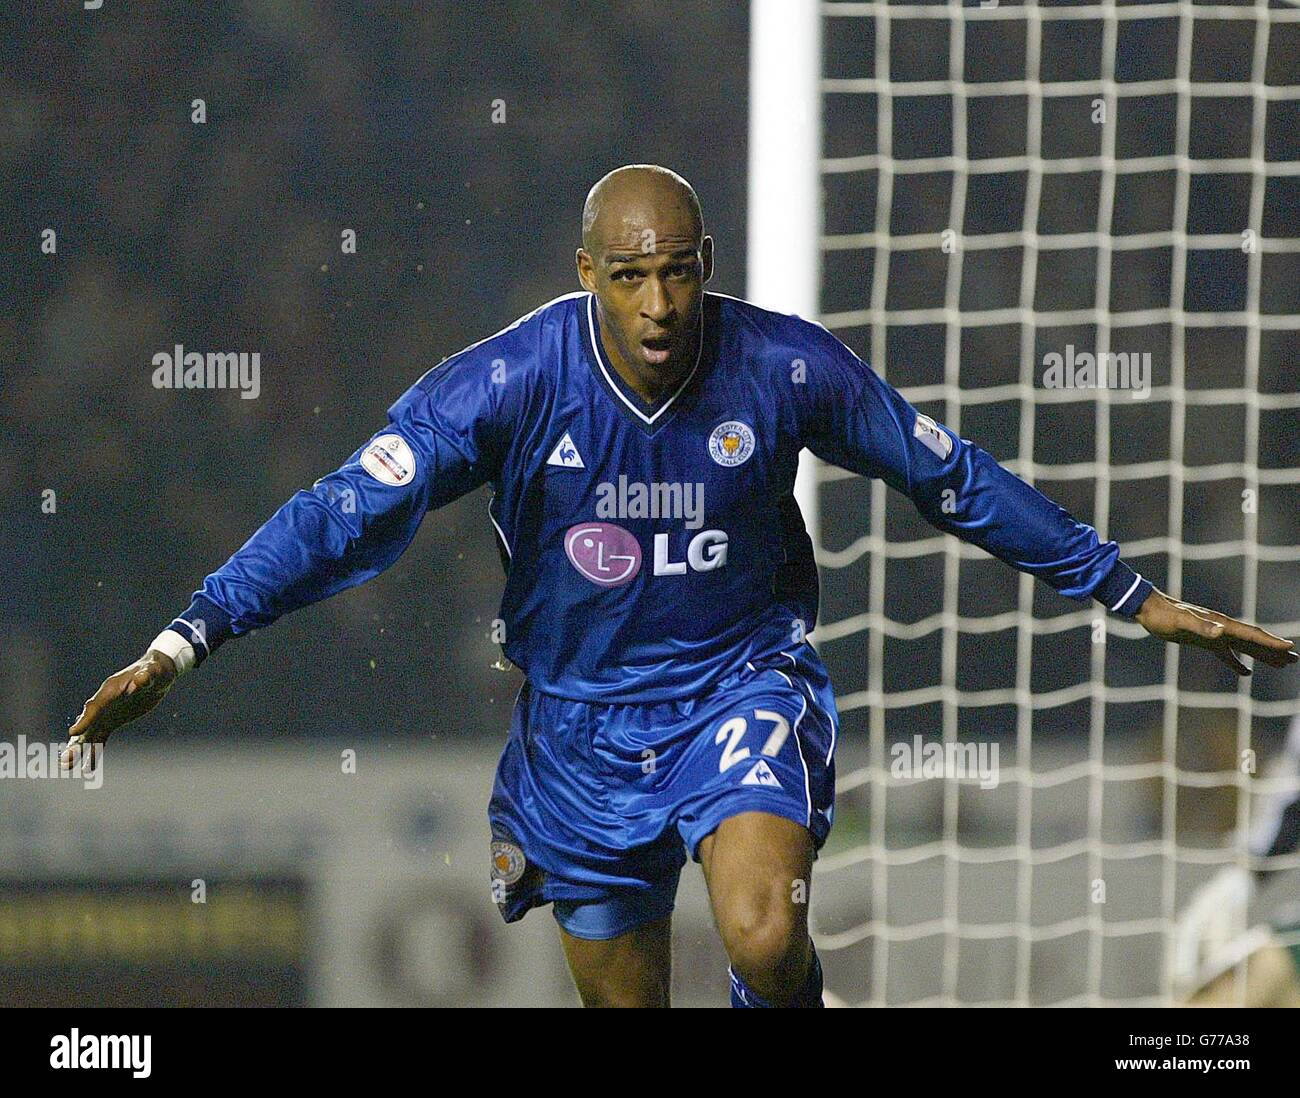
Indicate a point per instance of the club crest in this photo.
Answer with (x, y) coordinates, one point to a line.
(731, 443)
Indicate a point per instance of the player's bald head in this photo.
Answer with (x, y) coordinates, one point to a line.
(645, 259)
(639, 197)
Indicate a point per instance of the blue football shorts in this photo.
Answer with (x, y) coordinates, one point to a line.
(596, 806)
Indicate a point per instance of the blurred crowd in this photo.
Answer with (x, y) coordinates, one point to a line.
(458, 141)
(226, 236)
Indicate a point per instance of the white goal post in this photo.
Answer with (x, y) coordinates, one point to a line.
(1062, 884)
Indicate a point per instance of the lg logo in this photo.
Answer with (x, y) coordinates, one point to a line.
(606, 554)
(610, 556)
(707, 551)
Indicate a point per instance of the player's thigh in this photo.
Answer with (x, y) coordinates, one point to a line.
(758, 867)
(631, 970)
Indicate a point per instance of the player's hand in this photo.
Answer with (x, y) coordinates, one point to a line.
(1227, 638)
(122, 697)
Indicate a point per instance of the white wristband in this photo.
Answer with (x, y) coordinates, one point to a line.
(170, 643)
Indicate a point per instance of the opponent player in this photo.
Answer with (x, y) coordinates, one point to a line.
(1219, 958)
(641, 438)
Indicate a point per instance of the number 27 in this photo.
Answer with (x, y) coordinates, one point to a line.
(733, 731)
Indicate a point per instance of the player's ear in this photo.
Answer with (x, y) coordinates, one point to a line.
(706, 254)
(586, 270)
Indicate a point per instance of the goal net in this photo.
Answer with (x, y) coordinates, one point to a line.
(982, 200)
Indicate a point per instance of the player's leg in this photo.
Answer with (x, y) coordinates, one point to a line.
(571, 827)
(756, 804)
(631, 970)
(759, 870)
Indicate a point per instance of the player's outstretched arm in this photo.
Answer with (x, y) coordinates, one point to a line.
(440, 442)
(120, 699)
(855, 419)
(1227, 638)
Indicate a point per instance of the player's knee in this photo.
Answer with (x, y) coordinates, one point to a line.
(615, 990)
(766, 942)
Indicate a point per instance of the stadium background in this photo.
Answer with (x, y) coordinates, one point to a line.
(371, 888)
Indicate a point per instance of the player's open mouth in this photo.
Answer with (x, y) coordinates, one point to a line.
(657, 349)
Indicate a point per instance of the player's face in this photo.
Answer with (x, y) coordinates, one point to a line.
(649, 283)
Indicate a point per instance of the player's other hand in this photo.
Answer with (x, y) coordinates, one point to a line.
(121, 698)
(1227, 638)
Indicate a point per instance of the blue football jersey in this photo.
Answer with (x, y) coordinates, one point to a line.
(649, 549)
